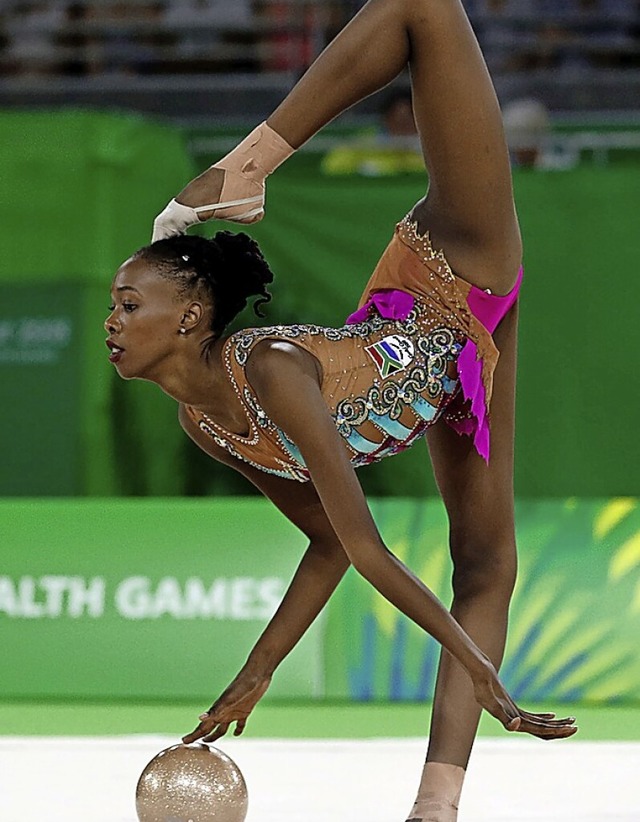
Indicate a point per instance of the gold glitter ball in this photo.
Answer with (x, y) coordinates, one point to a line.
(191, 783)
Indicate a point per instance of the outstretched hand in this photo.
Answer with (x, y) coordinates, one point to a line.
(235, 705)
(492, 695)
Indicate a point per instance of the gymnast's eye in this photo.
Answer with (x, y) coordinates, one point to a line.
(129, 307)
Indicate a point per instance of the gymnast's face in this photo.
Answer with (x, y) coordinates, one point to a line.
(145, 320)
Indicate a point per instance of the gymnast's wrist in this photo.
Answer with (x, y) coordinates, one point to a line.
(478, 665)
(262, 661)
(469, 655)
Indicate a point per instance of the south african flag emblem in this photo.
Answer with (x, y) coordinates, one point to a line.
(391, 354)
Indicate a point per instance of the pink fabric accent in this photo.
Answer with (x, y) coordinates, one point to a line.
(470, 373)
(491, 308)
(391, 303)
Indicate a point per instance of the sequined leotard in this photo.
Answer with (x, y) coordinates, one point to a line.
(415, 351)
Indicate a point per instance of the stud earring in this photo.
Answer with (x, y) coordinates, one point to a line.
(183, 330)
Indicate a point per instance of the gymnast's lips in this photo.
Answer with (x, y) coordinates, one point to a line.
(116, 351)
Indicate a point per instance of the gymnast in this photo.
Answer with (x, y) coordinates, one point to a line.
(430, 352)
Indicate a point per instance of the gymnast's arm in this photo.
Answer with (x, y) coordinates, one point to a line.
(321, 569)
(285, 380)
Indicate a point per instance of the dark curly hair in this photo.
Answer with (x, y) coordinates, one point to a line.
(225, 271)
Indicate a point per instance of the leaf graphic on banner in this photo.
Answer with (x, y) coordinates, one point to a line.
(626, 558)
(565, 640)
(611, 514)
(573, 623)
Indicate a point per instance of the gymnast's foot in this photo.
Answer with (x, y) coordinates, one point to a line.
(439, 794)
(217, 192)
(205, 188)
(431, 811)
(232, 189)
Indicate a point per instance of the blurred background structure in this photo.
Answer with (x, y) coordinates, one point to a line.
(106, 109)
(218, 61)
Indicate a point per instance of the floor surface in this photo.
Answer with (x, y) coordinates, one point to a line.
(92, 779)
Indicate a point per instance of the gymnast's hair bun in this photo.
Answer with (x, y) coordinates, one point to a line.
(229, 267)
(247, 272)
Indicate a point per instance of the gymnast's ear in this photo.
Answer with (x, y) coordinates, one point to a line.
(192, 316)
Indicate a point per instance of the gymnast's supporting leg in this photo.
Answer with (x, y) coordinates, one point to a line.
(470, 213)
(479, 501)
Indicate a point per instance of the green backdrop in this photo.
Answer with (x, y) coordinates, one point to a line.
(83, 189)
(40, 369)
(78, 189)
(142, 599)
(151, 599)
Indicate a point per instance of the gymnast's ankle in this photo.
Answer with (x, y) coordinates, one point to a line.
(245, 170)
(439, 793)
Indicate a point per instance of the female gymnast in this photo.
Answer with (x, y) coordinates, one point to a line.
(296, 408)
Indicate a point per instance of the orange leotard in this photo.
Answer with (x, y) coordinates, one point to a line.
(387, 376)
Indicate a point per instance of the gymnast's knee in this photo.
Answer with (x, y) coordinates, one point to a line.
(484, 567)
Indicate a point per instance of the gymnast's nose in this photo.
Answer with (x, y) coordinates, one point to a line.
(111, 324)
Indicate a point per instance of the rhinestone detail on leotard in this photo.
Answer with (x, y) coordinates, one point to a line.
(376, 414)
(429, 379)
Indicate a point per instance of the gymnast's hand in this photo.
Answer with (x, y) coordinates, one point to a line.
(493, 697)
(232, 189)
(235, 705)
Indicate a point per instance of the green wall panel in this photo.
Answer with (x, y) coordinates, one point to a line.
(143, 599)
(86, 185)
(40, 366)
(83, 186)
(152, 599)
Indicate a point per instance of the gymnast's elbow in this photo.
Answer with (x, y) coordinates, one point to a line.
(367, 557)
